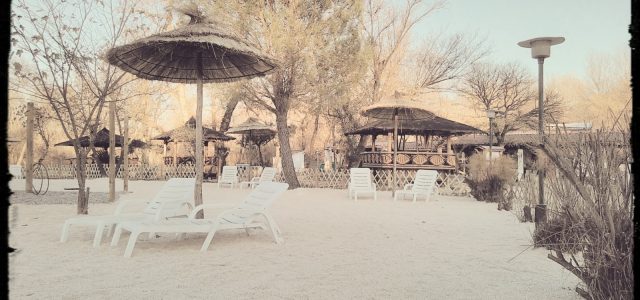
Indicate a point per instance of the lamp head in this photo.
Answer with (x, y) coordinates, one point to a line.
(541, 47)
(491, 114)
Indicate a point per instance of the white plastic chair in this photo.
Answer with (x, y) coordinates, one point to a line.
(267, 175)
(174, 199)
(229, 176)
(241, 217)
(423, 186)
(360, 182)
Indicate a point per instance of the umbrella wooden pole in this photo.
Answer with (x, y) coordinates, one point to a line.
(395, 153)
(199, 162)
(112, 151)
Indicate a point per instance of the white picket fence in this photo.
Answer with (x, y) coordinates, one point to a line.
(447, 183)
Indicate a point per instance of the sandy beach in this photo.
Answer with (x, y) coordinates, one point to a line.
(334, 248)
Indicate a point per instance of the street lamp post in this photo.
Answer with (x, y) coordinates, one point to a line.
(541, 49)
(491, 114)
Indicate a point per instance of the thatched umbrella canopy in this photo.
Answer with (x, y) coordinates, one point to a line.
(255, 132)
(397, 108)
(200, 52)
(185, 133)
(436, 126)
(102, 141)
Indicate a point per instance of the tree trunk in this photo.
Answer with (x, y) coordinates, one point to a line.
(285, 148)
(81, 175)
(221, 152)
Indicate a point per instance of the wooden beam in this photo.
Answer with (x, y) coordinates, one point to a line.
(112, 151)
(28, 186)
(125, 150)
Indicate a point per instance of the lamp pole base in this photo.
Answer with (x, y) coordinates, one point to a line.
(540, 213)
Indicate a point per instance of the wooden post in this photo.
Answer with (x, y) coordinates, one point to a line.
(449, 150)
(125, 148)
(28, 186)
(175, 153)
(112, 151)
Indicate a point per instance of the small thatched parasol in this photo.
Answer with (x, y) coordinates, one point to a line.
(102, 141)
(397, 108)
(256, 132)
(200, 52)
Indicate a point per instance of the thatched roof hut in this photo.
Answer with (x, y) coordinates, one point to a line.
(102, 141)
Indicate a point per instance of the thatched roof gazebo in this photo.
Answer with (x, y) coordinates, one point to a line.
(426, 152)
(102, 141)
(186, 134)
(254, 132)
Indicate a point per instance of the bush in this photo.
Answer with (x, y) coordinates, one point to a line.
(488, 183)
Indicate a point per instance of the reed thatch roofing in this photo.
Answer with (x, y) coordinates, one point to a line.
(436, 126)
(102, 141)
(398, 104)
(252, 126)
(179, 55)
(187, 132)
(533, 139)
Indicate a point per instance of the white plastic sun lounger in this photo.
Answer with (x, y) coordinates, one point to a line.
(241, 217)
(174, 199)
(229, 176)
(360, 183)
(423, 186)
(267, 175)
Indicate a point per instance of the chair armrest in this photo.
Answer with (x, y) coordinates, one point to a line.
(192, 214)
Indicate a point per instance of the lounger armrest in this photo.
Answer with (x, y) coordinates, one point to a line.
(375, 188)
(192, 214)
(408, 186)
(255, 179)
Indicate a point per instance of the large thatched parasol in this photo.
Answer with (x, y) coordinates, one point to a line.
(255, 132)
(397, 108)
(102, 141)
(200, 52)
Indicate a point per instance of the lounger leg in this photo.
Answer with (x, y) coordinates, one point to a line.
(275, 230)
(98, 237)
(116, 235)
(110, 231)
(151, 235)
(209, 238)
(132, 243)
(375, 196)
(65, 232)
(414, 197)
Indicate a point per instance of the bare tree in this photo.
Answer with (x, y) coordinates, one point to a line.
(440, 60)
(509, 90)
(63, 68)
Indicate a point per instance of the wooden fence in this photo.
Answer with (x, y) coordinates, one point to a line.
(447, 183)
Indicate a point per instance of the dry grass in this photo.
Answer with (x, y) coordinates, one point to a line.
(488, 182)
(591, 231)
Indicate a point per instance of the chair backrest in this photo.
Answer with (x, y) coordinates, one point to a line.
(229, 174)
(173, 199)
(268, 174)
(425, 181)
(360, 178)
(257, 201)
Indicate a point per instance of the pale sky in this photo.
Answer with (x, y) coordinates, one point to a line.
(589, 27)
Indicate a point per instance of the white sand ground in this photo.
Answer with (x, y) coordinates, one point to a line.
(449, 248)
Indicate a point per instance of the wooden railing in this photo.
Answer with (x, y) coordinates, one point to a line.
(410, 160)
